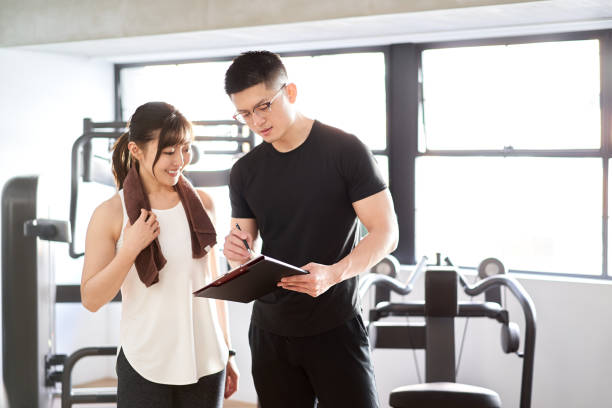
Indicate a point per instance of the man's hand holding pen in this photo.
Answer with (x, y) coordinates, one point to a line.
(237, 246)
(237, 250)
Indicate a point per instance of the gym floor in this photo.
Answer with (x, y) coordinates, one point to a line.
(228, 404)
(110, 382)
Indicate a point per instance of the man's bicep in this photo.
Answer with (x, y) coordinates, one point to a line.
(362, 173)
(239, 204)
(376, 210)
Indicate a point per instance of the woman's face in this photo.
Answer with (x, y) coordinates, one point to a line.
(168, 168)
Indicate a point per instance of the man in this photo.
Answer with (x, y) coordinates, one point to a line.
(304, 190)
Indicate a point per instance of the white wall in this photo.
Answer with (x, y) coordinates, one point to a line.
(43, 100)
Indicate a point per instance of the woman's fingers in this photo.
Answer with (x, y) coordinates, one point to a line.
(152, 218)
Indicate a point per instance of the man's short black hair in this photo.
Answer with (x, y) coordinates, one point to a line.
(254, 67)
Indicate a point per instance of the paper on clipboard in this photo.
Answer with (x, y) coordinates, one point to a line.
(249, 281)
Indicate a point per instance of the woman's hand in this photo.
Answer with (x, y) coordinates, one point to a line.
(231, 377)
(139, 235)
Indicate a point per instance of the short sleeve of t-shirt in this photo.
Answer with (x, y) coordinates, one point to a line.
(360, 170)
(240, 207)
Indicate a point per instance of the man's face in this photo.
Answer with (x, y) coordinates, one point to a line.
(267, 112)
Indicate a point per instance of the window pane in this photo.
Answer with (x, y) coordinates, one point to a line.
(344, 90)
(383, 165)
(196, 89)
(536, 214)
(528, 96)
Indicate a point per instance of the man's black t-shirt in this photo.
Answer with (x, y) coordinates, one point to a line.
(302, 202)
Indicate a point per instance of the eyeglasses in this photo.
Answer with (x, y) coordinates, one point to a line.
(260, 110)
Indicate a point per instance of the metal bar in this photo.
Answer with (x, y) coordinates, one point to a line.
(209, 178)
(237, 139)
(530, 326)
(555, 274)
(440, 349)
(398, 335)
(563, 275)
(116, 135)
(118, 99)
(218, 123)
(525, 39)
(378, 280)
(515, 153)
(123, 124)
(402, 124)
(67, 398)
(72, 294)
(238, 150)
(606, 140)
(465, 309)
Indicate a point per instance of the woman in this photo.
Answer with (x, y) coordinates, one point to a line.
(153, 240)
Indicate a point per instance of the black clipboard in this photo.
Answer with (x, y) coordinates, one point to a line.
(249, 281)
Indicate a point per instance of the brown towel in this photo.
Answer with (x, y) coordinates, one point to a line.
(203, 236)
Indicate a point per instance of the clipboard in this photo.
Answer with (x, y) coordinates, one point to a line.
(249, 281)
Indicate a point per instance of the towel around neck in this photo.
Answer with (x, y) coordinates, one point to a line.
(203, 235)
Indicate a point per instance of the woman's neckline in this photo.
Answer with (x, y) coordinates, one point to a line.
(167, 209)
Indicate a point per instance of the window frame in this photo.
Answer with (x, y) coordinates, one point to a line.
(403, 98)
(605, 150)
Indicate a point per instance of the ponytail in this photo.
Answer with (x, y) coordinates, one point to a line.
(121, 159)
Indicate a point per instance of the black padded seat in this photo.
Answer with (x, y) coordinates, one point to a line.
(443, 395)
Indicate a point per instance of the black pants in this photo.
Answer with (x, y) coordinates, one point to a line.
(332, 367)
(134, 391)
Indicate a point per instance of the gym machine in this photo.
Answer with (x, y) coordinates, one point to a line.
(28, 293)
(436, 336)
(32, 369)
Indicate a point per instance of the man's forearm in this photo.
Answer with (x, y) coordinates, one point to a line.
(368, 252)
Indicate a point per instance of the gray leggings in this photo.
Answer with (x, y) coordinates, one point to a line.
(134, 391)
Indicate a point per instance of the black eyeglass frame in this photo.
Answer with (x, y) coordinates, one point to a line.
(259, 109)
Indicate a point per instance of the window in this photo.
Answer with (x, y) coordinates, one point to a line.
(535, 214)
(511, 162)
(345, 90)
(524, 96)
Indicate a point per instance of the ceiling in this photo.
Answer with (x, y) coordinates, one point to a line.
(440, 25)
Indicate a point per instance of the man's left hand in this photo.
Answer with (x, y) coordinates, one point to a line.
(319, 279)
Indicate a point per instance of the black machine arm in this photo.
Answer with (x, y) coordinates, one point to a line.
(77, 169)
(68, 398)
(379, 280)
(530, 324)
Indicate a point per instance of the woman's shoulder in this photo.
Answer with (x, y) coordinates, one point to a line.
(207, 200)
(111, 206)
(109, 214)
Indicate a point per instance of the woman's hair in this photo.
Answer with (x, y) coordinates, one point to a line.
(252, 68)
(174, 129)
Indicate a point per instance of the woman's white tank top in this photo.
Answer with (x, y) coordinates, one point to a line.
(168, 335)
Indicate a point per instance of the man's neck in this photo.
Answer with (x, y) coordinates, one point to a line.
(295, 135)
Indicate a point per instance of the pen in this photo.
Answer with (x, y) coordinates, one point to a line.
(246, 244)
